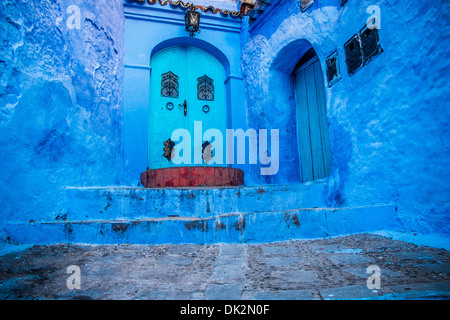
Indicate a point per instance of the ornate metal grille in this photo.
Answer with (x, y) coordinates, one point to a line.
(353, 55)
(169, 85)
(205, 88)
(370, 42)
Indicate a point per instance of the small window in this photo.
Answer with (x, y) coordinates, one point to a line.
(169, 85)
(361, 48)
(205, 88)
(333, 69)
(353, 55)
(370, 42)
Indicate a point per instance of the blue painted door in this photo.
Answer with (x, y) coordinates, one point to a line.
(312, 126)
(186, 88)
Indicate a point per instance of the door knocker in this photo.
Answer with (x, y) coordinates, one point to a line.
(168, 149)
(205, 108)
(169, 105)
(184, 106)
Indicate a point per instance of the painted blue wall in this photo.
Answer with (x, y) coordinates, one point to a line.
(62, 122)
(60, 100)
(389, 122)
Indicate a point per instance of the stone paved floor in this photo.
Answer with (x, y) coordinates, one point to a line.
(332, 268)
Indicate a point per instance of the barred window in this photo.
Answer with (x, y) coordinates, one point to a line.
(169, 85)
(205, 88)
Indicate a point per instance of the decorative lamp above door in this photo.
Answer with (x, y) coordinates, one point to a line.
(192, 20)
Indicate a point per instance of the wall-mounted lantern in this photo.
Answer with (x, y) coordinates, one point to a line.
(192, 20)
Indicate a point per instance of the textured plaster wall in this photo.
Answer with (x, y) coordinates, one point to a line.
(389, 122)
(60, 102)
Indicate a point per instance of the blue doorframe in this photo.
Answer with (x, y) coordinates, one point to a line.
(151, 28)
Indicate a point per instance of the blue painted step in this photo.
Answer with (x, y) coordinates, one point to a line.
(250, 227)
(199, 215)
(112, 203)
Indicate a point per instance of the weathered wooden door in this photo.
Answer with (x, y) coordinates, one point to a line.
(312, 126)
(187, 87)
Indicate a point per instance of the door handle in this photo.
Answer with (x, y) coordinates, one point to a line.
(184, 105)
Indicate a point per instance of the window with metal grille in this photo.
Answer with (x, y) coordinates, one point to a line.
(169, 85)
(205, 88)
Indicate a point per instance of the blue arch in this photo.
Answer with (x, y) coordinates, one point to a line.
(209, 48)
(287, 57)
(190, 41)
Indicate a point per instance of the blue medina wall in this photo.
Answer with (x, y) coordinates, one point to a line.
(388, 122)
(60, 100)
(63, 122)
(151, 28)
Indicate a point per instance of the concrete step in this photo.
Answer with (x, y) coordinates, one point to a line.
(242, 227)
(112, 203)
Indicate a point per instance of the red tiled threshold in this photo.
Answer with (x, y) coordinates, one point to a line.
(180, 177)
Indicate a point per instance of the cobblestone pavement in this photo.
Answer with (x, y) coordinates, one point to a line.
(334, 268)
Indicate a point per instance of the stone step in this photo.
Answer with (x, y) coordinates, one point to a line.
(112, 203)
(251, 227)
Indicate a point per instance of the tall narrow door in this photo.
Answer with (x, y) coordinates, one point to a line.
(187, 92)
(312, 126)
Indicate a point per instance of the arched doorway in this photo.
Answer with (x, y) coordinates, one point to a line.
(311, 114)
(188, 117)
(186, 89)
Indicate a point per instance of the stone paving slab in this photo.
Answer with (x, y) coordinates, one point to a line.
(227, 249)
(277, 250)
(332, 248)
(352, 292)
(350, 259)
(417, 290)
(417, 255)
(283, 261)
(331, 268)
(305, 294)
(232, 291)
(295, 276)
(361, 272)
(441, 268)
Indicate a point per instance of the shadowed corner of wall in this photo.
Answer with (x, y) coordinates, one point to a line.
(3, 235)
(341, 153)
(5, 242)
(6, 245)
(335, 192)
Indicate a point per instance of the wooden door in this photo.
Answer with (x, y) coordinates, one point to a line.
(184, 76)
(312, 126)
